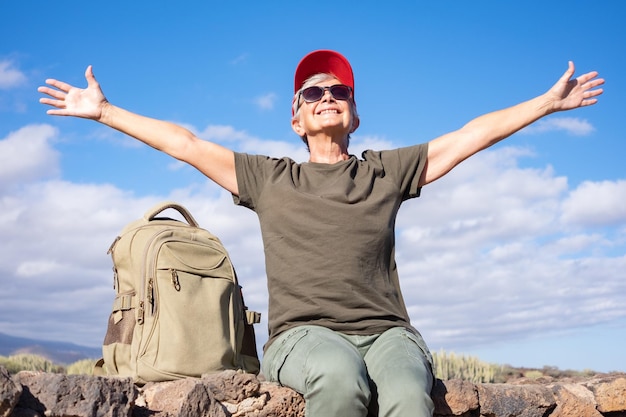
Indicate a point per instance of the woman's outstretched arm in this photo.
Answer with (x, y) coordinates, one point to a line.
(213, 160)
(449, 150)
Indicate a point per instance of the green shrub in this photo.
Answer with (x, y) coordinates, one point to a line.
(29, 362)
(533, 374)
(468, 368)
(82, 367)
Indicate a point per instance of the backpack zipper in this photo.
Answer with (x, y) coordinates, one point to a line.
(144, 277)
(116, 282)
(175, 281)
(149, 267)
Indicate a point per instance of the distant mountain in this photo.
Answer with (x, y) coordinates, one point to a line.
(62, 353)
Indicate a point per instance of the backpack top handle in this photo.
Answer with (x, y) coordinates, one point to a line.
(157, 209)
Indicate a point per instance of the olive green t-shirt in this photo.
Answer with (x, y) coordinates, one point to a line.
(328, 234)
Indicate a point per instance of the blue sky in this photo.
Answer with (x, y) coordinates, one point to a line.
(517, 256)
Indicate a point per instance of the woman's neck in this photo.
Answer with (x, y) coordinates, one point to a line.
(327, 150)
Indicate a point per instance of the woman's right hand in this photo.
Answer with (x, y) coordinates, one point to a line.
(67, 100)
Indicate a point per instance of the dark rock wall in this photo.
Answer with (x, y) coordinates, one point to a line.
(233, 394)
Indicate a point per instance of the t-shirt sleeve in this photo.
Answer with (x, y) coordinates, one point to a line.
(248, 180)
(406, 165)
(252, 172)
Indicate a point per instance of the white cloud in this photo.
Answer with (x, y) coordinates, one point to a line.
(245, 142)
(26, 155)
(10, 77)
(41, 267)
(596, 204)
(484, 250)
(56, 275)
(222, 133)
(484, 255)
(358, 144)
(242, 58)
(571, 125)
(266, 102)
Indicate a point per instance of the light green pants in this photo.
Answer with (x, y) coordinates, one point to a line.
(386, 375)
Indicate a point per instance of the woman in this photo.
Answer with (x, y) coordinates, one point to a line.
(339, 332)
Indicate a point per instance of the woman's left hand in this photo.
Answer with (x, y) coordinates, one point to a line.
(570, 93)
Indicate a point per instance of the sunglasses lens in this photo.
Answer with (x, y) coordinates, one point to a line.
(340, 92)
(312, 94)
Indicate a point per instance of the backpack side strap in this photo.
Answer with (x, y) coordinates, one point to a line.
(253, 317)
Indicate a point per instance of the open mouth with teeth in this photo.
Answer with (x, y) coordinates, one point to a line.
(329, 111)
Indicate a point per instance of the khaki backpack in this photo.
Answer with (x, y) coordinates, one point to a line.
(178, 310)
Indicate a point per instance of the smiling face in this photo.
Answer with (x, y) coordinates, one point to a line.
(327, 117)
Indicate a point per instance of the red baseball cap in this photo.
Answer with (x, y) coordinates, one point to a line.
(324, 61)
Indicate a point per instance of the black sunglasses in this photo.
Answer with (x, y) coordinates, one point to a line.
(315, 93)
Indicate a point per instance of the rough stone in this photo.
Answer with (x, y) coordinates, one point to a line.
(10, 392)
(59, 395)
(233, 394)
(181, 398)
(454, 397)
(574, 400)
(232, 385)
(282, 402)
(610, 394)
(515, 400)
